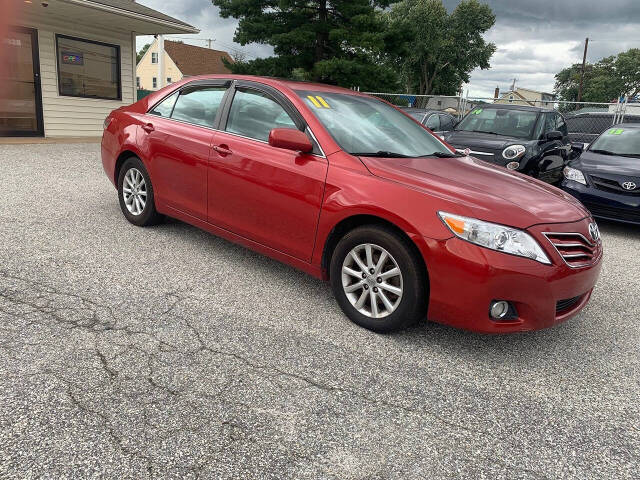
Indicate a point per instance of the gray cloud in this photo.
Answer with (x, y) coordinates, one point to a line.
(535, 38)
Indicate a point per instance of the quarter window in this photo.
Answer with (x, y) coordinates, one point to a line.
(199, 105)
(165, 107)
(88, 69)
(253, 114)
(433, 122)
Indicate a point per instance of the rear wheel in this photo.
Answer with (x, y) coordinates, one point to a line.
(377, 279)
(135, 193)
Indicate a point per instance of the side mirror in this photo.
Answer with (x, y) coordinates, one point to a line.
(290, 139)
(577, 147)
(553, 135)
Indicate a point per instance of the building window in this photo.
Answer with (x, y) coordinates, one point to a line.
(88, 69)
(168, 80)
(137, 82)
(155, 82)
(154, 57)
(510, 98)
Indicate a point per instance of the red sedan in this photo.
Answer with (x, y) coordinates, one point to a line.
(349, 189)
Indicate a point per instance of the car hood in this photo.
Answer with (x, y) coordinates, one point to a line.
(597, 163)
(481, 141)
(482, 190)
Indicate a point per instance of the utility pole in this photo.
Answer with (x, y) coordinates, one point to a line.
(584, 62)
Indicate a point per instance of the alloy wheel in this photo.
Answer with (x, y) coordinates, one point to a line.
(372, 280)
(134, 191)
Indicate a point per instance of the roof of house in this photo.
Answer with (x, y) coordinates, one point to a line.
(132, 6)
(192, 60)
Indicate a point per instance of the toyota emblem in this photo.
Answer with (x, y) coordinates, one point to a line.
(594, 231)
(629, 185)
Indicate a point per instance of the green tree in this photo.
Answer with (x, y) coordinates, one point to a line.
(141, 52)
(604, 80)
(342, 42)
(440, 48)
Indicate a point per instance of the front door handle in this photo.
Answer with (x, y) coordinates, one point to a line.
(222, 150)
(148, 127)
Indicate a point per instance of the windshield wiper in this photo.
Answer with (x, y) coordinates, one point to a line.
(444, 155)
(481, 131)
(380, 153)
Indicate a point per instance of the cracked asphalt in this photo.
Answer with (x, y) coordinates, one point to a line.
(166, 352)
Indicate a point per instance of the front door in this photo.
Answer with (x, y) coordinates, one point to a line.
(20, 95)
(269, 195)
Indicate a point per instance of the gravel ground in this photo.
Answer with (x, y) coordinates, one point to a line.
(167, 352)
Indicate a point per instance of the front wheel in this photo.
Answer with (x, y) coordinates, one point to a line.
(378, 280)
(135, 193)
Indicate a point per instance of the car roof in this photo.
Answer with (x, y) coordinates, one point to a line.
(420, 110)
(506, 106)
(627, 125)
(277, 82)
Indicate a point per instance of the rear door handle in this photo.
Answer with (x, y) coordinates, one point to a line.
(222, 150)
(148, 127)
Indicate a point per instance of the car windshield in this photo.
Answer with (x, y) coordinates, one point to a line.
(619, 140)
(500, 121)
(366, 126)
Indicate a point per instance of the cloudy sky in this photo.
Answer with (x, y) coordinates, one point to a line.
(535, 38)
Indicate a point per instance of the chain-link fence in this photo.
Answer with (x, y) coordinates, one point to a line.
(584, 120)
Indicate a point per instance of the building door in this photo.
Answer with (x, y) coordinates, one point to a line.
(20, 95)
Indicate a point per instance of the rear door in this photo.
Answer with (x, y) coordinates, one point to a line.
(266, 194)
(177, 137)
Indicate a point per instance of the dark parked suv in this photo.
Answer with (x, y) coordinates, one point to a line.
(436, 121)
(531, 140)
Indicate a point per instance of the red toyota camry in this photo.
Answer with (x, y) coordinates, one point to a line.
(349, 189)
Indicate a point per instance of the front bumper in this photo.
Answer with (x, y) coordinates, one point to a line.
(465, 278)
(606, 205)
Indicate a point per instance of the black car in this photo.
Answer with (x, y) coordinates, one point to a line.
(436, 121)
(585, 127)
(531, 140)
(606, 176)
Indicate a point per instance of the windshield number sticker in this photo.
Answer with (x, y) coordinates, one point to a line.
(616, 131)
(477, 111)
(318, 101)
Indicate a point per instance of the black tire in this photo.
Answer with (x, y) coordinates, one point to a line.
(148, 215)
(412, 305)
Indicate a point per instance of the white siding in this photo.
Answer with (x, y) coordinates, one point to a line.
(73, 116)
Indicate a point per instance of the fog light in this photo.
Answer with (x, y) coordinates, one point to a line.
(499, 309)
(513, 165)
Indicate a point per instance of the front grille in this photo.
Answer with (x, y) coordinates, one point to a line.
(574, 248)
(623, 214)
(609, 185)
(565, 305)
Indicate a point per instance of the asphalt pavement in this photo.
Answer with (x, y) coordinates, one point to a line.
(166, 352)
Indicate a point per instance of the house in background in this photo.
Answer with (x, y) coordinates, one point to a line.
(69, 63)
(526, 96)
(179, 60)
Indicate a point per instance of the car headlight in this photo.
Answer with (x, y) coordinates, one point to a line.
(513, 151)
(574, 174)
(494, 236)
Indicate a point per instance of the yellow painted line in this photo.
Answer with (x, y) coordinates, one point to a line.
(314, 101)
(321, 100)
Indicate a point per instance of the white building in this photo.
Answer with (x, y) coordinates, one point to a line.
(68, 63)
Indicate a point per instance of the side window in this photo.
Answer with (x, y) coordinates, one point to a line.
(446, 122)
(433, 122)
(199, 105)
(549, 122)
(561, 125)
(254, 114)
(165, 107)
